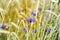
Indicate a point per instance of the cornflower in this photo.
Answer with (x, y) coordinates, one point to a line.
(3, 26)
(48, 30)
(33, 19)
(30, 20)
(25, 30)
(47, 15)
(49, 8)
(33, 13)
(40, 9)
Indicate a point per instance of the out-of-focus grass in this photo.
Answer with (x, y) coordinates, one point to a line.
(13, 14)
(3, 36)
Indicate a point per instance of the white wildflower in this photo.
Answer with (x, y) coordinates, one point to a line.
(56, 1)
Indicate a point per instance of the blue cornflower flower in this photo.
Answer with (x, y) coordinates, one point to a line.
(48, 30)
(25, 31)
(40, 9)
(3, 26)
(49, 8)
(33, 13)
(28, 19)
(33, 19)
(47, 15)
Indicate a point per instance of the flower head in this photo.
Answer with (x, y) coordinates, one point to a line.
(47, 15)
(28, 19)
(49, 8)
(48, 30)
(33, 13)
(3, 26)
(33, 19)
(40, 9)
(25, 30)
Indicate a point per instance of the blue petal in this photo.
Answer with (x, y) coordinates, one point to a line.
(33, 13)
(28, 19)
(33, 19)
(47, 16)
(25, 30)
(3, 26)
(40, 9)
(49, 8)
(48, 30)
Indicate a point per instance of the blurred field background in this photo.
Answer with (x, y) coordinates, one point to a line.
(29, 20)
